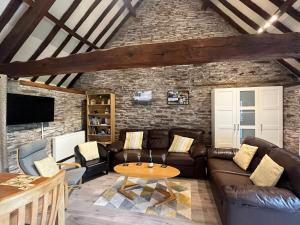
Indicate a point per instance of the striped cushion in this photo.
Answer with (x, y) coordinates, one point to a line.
(133, 140)
(181, 144)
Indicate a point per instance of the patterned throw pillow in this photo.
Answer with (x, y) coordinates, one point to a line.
(47, 167)
(181, 144)
(244, 156)
(89, 150)
(267, 173)
(134, 140)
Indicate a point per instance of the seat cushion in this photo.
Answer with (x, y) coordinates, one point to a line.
(134, 140)
(89, 150)
(123, 132)
(244, 156)
(73, 176)
(224, 165)
(181, 159)
(221, 179)
(47, 167)
(95, 162)
(181, 144)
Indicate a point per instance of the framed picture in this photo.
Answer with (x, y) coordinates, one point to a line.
(176, 97)
(142, 97)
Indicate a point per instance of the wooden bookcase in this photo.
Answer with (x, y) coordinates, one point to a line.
(101, 118)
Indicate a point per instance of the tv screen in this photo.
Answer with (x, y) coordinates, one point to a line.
(22, 109)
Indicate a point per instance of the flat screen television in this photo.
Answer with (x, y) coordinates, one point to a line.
(24, 109)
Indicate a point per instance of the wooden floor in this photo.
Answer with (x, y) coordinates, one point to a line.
(82, 211)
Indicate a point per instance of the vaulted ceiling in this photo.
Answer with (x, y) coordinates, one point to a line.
(37, 29)
(255, 16)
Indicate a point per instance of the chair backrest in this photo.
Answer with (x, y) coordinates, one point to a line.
(42, 204)
(31, 152)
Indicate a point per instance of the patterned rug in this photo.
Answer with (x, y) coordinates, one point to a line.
(145, 196)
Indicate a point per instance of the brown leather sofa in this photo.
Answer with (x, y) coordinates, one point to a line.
(239, 202)
(191, 165)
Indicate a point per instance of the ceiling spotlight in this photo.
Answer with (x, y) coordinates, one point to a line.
(267, 25)
(273, 18)
(260, 30)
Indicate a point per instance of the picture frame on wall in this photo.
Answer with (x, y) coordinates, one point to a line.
(178, 97)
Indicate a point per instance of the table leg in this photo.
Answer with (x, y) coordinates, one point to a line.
(124, 186)
(169, 194)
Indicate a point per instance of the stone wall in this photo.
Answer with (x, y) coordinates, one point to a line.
(68, 118)
(292, 118)
(172, 20)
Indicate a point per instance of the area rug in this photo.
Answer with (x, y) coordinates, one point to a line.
(145, 196)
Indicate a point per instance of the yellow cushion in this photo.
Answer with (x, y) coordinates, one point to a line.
(267, 173)
(244, 156)
(89, 150)
(134, 140)
(47, 167)
(181, 144)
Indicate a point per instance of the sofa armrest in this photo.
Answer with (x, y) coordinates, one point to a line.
(222, 153)
(263, 197)
(79, 157)
(116, 146)
(198, 150)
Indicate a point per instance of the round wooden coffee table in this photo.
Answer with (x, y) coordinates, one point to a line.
(144, 172)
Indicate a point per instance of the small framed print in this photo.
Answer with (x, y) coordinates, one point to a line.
(176, 97)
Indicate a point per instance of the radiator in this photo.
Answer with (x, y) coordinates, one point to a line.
(63, 146)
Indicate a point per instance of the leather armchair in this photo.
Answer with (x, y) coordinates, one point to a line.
(95, 166)
(198, 150)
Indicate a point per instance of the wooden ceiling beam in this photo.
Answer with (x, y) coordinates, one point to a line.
(194, 51)
(88, 34)
(23, 28)
(8, 13)
(129, 6)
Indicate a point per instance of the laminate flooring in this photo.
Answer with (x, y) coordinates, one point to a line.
(82, 211)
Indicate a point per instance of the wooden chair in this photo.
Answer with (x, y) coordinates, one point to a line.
(41, 205)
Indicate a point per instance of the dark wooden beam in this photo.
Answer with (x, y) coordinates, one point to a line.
(205, 5)
(50, 87)
(23, 28)
(60, 83)
(129, 6)
(55, 30)
(8, 13)
(88, 34)
(194, 51)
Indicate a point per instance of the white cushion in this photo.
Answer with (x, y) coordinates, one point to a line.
(244, 156)
(181, 144)
(47, 167)
(134, 140)
(89, 150)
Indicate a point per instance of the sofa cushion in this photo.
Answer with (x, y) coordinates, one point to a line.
(222, 179)
(267, 173)
(89, 150)
(244, 156)
(264, 147)
(176, 158)
(145, 136)
(196, 134)
(134, 140)
(181, 144)
(158, 139)
(47, 167)
(224, 165)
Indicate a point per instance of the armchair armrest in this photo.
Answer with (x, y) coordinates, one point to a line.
(198, 150)
(79, 157)
(222, 153)
(103, 151)
(68, 164)
(263, 197)
(116, 146)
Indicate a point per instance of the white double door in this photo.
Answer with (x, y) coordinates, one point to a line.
(241, 112)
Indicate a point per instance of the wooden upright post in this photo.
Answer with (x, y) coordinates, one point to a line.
(3, 102)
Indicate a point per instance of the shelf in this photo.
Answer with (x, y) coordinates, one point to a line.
(98, 114)
(99, 135)
(100, 125)
(99, 105)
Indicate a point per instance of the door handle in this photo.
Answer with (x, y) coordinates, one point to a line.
(234, 125)
(261, 127)
(238, 127)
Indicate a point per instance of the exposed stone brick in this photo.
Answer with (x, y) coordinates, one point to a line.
(68, 118)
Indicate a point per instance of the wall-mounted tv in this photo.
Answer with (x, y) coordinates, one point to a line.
(24, 109)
